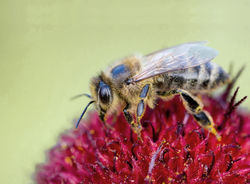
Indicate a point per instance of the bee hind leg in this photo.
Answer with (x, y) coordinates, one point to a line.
(195, 107)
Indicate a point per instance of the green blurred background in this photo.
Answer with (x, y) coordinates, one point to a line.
(49, 50)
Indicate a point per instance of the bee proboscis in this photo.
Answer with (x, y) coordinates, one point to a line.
(134, 82)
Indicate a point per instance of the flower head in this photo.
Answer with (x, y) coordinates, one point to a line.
(173, 149)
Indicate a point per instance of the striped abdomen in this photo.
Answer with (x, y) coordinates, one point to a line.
(197, 79)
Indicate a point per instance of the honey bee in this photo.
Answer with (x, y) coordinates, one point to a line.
(135, 82)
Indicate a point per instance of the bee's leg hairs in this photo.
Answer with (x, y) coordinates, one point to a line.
(141, 105)
(195, 107)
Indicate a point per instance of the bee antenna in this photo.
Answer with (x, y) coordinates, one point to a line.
(83, 112)
(80, 95)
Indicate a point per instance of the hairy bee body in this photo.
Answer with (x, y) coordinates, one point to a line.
(200, 79)
(137, 81)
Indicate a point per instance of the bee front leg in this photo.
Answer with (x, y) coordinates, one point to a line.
(135, 126)
(195, 107)
(103, 118)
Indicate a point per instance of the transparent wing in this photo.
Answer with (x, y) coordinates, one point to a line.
(175, 58)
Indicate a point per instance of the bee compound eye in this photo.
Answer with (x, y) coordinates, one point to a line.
(105, 94)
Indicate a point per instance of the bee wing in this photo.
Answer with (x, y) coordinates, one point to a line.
(175, 58)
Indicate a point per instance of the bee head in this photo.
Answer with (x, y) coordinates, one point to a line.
(102, 94)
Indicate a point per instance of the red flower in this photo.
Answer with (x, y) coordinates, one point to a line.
(174, 149)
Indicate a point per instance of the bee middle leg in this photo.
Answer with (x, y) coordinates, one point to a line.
(195, 108)
(136, 127)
